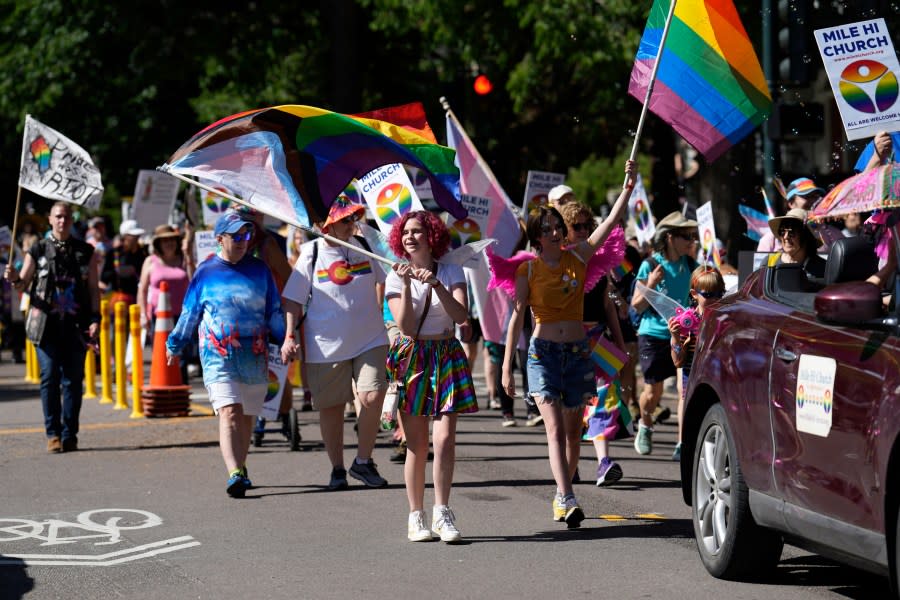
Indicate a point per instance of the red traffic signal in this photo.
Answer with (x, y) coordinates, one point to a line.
(482, 85)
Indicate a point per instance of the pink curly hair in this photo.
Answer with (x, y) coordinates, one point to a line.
(435, 233)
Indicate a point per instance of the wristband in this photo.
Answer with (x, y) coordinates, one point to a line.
(677, 348)
(289, 336)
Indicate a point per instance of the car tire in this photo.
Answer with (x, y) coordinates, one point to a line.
(731, 544)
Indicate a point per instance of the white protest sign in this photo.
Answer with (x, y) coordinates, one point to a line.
(709, 250)
(815, 394)
(536, 187)
(275, 385)
(389, 194)
(472, 228)
(154, 197)
(205, 245)
(862, 67)
(639, 213)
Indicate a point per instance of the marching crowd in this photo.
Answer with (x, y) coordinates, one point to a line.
(364, 333)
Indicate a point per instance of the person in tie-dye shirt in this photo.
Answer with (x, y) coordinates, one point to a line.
(234, 305)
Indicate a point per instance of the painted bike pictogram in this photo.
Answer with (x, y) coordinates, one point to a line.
(104, 525)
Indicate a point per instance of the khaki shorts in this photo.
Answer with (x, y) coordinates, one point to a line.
(331, 383)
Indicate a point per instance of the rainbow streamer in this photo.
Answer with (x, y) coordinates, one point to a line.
(293, 160)
(710, 87)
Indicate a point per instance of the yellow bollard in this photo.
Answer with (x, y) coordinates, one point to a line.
(28, 361)
(90, 371)
(35, 365)
(121, 338)
(295, 374)
(137, 361)
(105, 358)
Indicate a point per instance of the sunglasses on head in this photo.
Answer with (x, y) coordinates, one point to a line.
(710, 295)
(581, 227)
(241, 237)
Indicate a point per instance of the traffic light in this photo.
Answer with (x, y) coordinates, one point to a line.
(482, 85)
(793, 41)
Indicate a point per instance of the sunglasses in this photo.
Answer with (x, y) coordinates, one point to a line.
(241, 237)
(710, 295)
(688, 237)
(351, 218)
(545, 229)
(581, 227)
(782, 231)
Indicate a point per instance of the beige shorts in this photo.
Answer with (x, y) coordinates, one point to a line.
(250, 396)
(331, 384)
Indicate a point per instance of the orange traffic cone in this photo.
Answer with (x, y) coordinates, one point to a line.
(166, 395)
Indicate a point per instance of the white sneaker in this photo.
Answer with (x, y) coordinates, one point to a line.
(444, 524)
(416, 531)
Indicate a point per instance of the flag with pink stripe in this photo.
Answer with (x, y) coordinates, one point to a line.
(608, 357)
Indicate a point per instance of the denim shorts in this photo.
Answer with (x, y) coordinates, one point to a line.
(561, 371)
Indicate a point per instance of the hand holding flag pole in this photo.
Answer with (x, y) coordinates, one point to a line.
(284, 218)
(650, 85)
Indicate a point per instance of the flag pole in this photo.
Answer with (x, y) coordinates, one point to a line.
(284, 218)
(652, 82)
(12, 242)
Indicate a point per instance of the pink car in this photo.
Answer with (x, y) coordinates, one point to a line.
(792, 420)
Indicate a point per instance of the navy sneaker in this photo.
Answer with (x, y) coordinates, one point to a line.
(338, 479)
(368, 474)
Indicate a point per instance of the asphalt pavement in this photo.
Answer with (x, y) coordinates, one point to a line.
(140, 511)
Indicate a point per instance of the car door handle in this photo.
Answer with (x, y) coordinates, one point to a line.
(785, 355)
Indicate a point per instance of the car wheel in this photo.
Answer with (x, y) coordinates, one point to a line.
(731, 544)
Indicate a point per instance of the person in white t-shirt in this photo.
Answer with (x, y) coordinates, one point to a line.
(341, 292)
(427, 298)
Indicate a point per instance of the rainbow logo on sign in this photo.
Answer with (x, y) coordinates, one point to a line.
(272, 386)
(217, 204)
(40, 152)
(641, 214)
(868, 72)
(464, 231)
(393, 201)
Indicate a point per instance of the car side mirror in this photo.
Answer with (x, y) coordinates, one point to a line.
(850, 303)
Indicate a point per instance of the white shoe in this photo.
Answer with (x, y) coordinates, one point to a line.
(416, 531)
(444, 524)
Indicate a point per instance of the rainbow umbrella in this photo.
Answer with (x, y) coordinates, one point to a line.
(875, 189)
(292, 161)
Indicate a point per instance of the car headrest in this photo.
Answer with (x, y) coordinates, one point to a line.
(850, 259)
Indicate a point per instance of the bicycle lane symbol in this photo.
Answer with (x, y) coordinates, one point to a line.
(100, 527)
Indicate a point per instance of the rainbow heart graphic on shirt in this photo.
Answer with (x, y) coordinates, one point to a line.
(867, 72)
(464, 231)
(272, 386)
(40, 152)
(393, 202)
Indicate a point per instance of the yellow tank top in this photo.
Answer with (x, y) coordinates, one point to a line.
(555, 294)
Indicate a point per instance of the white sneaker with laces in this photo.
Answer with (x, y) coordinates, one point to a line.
(444, 524)
(416, 531)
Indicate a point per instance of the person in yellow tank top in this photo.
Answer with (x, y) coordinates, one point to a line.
(560, 369)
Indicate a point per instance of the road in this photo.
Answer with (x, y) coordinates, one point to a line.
(140, 512)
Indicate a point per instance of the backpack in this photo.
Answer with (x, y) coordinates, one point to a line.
(315, 256)
(635, 316)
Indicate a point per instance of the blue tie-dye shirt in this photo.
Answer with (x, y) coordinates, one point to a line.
(234, 308)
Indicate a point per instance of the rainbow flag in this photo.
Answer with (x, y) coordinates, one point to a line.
(292, 161)
(623, 269)
(710, 87)
(607, 356)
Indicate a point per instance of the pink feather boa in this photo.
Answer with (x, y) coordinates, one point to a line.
(608, 255)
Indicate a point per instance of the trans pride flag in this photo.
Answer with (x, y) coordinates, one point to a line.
(292, 161)
(709, 87)
(757, 222)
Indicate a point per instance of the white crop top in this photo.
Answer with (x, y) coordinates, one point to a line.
(437, 321)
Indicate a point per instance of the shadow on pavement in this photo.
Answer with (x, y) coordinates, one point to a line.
(663, 529)
(14, 579)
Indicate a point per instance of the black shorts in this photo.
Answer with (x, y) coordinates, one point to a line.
(655, 355)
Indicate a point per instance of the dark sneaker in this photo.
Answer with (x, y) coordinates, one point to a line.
(236, 486)
(608, 472)
(399, 455)
(661, 414)
(368, 474)
(53, 445)
(70, 444)
(338, 479)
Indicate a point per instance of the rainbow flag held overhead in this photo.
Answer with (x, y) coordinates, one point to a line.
(710, 87)
(292, 161)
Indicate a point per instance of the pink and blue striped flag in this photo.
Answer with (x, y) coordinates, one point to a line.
(710, 87)
(757, 222)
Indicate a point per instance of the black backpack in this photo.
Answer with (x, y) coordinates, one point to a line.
(315, 256)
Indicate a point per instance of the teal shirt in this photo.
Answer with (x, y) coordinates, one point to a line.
(676, 284)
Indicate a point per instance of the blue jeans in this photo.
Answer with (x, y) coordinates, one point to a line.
(561, 371)
(61, 358)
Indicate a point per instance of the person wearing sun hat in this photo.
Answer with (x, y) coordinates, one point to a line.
(560, 195)
(802, 193)
(232, 304)
(340, 294)
(798, 243)
(668, 271)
